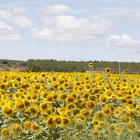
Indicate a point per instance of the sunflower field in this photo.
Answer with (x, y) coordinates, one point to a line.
(69, 106)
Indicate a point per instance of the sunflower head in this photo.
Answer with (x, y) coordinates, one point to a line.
(126, 71)
(90, 64)
(107, 70)
(16, 129)
(5, 132)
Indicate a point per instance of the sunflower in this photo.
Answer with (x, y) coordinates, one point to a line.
(124, 119)
(49, 111)
(2, 86)
(5, 132)
(58, 120)
(90, 64)
(15, 84)
(70, 99)
(63, 96)
(99, 116)
(103, 99)
(118, 131)
(55, 96)
(61, 110)
(90, 105)
(74, 95)
(45, 116)
(107, 70)
(55, 85)
(65, 121)
(71, 106)
(109, 94)
(83, 104)
(76, 111)
(92, 98)
(49, 98)
(106, 111)
(50, 121)
(20, 105)
(8, 111)
(95, 122)
(61, 88)
(111, 107)
(112, 127)
(35, 128)
(86, 95)
(96, 133)
(34, 96)
(44, 106)
(16, 129)
(85, 113)
(27, 124)
(37, 86)
(126, 71)
(33, 111)
(131, 126)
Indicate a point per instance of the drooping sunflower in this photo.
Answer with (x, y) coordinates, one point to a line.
(131, 126)
(118, 131)
(124, 119)
(65, 121)
(16, 129)
(96, 133)
(125, 71)
(35, 128)
(33, 111)
(106, 111)
(5, 132)
(107, 70)
(85, 113)
(71, 106)
(99, 116)
(90, 64)
(45, 116)
(27, 124)
(112, 127)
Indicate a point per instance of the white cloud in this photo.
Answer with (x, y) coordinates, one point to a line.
(54, 9)
(134, 15)
(17, 19)
(21, 10)
(123, 43)
(72, 31)
(7, 33)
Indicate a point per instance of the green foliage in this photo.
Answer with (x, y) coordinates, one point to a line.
(4, 62)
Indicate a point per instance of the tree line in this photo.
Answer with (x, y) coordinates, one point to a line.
(47, 65)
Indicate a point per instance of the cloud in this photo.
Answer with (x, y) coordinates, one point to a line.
(54, 9)
(134, 15)
(7, 33)
(20, 10)
(69, 30)
(18, 19)
(123, 43)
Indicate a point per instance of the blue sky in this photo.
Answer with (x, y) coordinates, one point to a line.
(75, 30)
